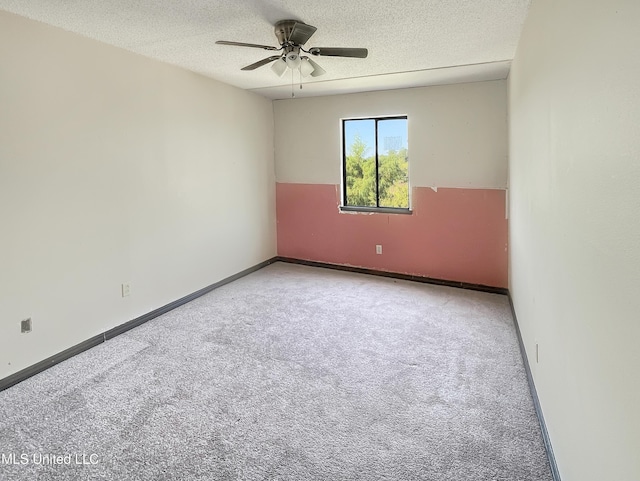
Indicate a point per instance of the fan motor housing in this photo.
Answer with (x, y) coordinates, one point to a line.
(283, 30)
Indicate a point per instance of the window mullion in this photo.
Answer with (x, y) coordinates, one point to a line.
(377, 168)
(344, 165)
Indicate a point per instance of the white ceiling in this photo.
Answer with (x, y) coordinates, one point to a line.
(411, 42)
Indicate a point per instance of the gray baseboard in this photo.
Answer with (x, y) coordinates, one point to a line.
(536, 401)
(397, 275)
(26, 373)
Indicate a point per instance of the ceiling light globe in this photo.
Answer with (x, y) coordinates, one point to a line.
(293, 60)
(279, 67)
(317, 69)
(305, 67)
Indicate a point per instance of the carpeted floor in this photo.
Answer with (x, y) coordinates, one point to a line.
(290, 373)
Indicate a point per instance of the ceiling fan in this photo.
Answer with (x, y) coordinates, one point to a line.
(292, 35)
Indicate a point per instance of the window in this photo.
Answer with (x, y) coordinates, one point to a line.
(375, 165)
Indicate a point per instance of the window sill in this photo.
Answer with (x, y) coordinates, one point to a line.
(375, 210)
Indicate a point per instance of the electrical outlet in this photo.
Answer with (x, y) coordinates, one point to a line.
(378, 249)
(25, 326)
(126, 289)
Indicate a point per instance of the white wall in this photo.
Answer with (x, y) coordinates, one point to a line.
(117, 168)
(457, 134)
(575, 227)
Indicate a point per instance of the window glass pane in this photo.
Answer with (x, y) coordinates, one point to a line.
(360, 162)
(393, 165)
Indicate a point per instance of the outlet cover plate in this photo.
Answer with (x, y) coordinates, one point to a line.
(25, 326)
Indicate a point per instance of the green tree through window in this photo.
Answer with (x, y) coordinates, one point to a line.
(376, 168)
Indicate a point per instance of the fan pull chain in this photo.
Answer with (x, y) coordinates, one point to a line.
(292, 94)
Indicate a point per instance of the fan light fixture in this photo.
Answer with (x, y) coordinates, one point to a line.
(305, 65)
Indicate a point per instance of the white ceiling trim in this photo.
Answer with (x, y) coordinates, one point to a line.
(401, 80)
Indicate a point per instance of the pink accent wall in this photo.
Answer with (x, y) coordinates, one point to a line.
(453, 234)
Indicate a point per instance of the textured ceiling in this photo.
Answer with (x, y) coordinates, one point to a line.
(409, 41)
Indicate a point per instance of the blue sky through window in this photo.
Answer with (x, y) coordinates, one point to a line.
(392, 134)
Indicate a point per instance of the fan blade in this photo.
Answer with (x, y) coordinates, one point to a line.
(262, 62)
(301, 33)
(340, 52)
(241, 44)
